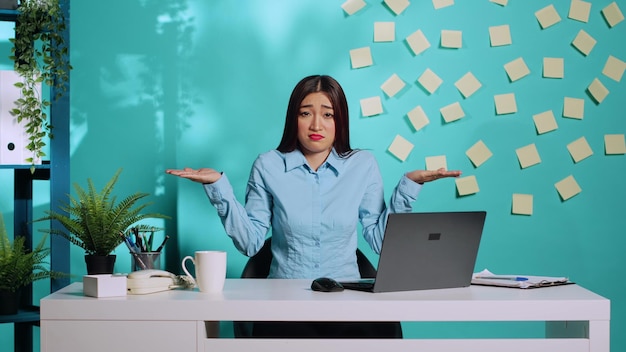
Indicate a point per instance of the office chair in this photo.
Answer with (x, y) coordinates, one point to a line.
(258, 267)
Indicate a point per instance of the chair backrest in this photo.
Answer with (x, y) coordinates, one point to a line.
(258, 266)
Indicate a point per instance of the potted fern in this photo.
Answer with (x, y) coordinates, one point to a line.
(95, 220)
(41, 56)
(20, 267)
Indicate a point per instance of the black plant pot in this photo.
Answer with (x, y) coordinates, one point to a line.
(9, 302)
(100, 264)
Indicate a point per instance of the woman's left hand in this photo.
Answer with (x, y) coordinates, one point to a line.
(421, 176)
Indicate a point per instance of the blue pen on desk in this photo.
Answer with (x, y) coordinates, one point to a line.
(133, 251)
(510, 278)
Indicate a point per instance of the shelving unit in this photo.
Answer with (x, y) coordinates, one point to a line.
(57, 171)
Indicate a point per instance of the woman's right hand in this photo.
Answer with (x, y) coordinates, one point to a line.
(203, 175)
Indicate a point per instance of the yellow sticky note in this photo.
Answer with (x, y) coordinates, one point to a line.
(452, 112)
(528, 156)
(505, 103)
(439, 4)
(468, 85)
(612, 14)
(430, 81)
(579, 10)
(522, 204)
(393, 85)
(567, 187)
(418, 118)
(573, 108)
(397, 6)
(584, 42)
(579, 149)
(478, 153)
(451, 39)
(353, 6)
(614, 144)
(384, 31)
(547, 16)
(436, 162)
(545, 122)
(516, 69)
(597, 90)
(361, 57)
(417, 42)
(400, 147)
(371, 106)
(500, 35)
(614, 68)
(466, 185)
(553, 67)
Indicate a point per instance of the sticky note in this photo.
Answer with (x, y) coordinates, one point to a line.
(579, 149)
(371, 106)
(547, 16)
(545, 122)
(597, 90)
(522, 204)
(516, 69)
(393, 85)
(478, 153)
(384, 31)
(451, 39)
(528, 156)
(612, 14)
(417, 42)
(584, 42)
(466, 185)
(439, 4)
(397, 6)
(430, 81)
(361, 57)
(579, 10)
(500, 35)
(436, 162)
(614, 144)
(573, 108)
(418, 118)
(400, 147)
(467, 85)
(567, 187)
(614, 68)
(452, 112)
(553, 67)
(500, 2)
(505, 103)
(353, 6)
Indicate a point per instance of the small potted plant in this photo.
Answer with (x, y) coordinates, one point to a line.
(20, 267)
(94, 222)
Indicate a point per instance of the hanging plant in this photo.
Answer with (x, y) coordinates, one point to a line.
(41, 57)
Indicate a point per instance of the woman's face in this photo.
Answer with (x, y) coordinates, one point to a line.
(316, 125)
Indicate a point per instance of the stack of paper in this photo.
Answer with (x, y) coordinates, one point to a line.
(488, 278)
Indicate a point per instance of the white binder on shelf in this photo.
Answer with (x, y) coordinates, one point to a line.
(13, 138)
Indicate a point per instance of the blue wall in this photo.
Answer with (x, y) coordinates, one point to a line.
(197, 83)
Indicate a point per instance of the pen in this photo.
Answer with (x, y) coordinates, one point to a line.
(163, 243)
(510, 278)
(133, 252)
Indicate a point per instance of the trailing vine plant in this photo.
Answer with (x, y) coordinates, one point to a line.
(41, 57)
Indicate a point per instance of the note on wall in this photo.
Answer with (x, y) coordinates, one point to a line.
(371, 106)
(392, 85)
(417, 42)
(522, 204)
(579, 10)
(418, 118)
(579, 149)
(467, 185)
(567, 187)
(468, 84)
(430, 81)
(478, 153)
(505, 103)
(384, 31)
(573, 108)
(584, 42)
(528, 156)
(400, 147)
(553, 67)
(361, 57)
(397, 6)
(547, 16)
(545, 122)
(500, 35)
(612, 14)
(436, 162)
(353, 6)
(452, 112)
(597, 90)
(614, 68)
(614, 144)
(451, 39)
(516, 69)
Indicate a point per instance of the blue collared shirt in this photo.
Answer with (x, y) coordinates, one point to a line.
(313, 215)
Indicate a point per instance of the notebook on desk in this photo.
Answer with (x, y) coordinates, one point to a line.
(423, 251)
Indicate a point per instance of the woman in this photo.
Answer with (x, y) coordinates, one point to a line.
(311, 191)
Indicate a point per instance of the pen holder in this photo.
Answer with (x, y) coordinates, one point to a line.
(150, 260)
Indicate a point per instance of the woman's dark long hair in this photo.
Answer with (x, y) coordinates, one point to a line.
(334, 92)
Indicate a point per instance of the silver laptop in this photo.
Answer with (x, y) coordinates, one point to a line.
(424, 251)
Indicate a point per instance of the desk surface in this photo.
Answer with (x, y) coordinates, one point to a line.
(267, 299)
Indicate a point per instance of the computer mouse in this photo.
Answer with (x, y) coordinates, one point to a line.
(326, 284)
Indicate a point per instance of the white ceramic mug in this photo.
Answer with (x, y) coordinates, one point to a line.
(210, 268)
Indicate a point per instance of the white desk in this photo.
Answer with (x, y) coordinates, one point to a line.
(576, 319)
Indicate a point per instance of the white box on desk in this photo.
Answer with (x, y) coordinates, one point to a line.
(104, 285)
